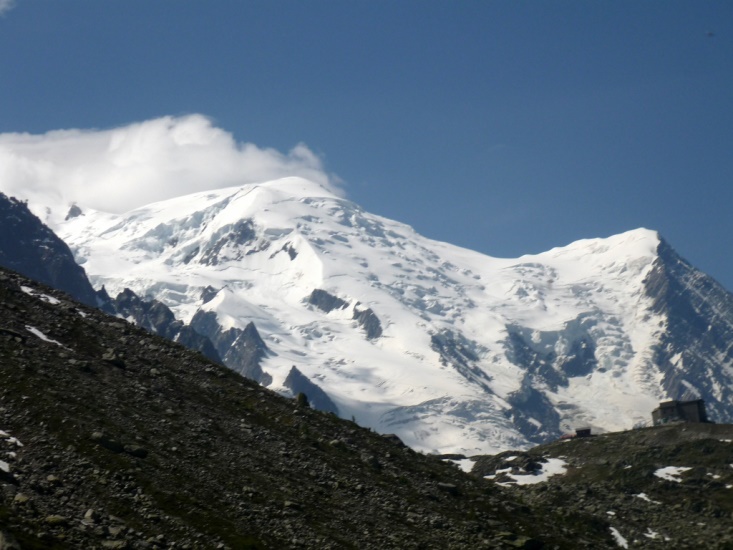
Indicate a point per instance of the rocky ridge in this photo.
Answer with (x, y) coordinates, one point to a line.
(157, 318)
(32, 248)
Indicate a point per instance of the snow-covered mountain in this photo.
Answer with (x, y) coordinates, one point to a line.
(452, 350)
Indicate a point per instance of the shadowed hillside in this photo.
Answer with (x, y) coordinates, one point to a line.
(116, 438)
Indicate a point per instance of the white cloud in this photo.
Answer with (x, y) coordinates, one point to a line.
(6, 6)
(123, 168)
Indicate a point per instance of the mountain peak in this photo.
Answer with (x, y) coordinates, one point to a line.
(636, 243)
(454, 350)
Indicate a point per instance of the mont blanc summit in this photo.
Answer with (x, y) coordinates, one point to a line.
(452, 350)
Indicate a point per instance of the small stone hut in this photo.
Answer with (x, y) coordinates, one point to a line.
(679, 411)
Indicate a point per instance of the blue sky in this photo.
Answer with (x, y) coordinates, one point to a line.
(508, 127)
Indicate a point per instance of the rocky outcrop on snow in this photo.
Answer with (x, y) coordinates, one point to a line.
(326, 302)
(228, 239)
(157, 318)
(242, 350)
(369, 321)
(298, 383)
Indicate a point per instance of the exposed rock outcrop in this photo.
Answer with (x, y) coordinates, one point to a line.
(298, 383)
(699, 316)
(29, 247)
(369, 321)
(242, 350)
(157, 318)
(325, 301)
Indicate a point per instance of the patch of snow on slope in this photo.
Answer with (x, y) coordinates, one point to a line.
(6, 437)
(553, 467)
(620, 540)
(42, 336)
(465, 464)
(644, 496)
(671, 473)
(45, 297)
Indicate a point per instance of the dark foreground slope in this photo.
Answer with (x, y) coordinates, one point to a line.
(613, 481)
(130, 441)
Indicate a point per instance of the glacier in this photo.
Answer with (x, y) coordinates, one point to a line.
(452, 350)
